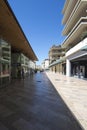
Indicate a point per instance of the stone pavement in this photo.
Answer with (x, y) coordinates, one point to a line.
(74, 93)
(34, 104)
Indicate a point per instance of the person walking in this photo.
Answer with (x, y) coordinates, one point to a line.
(22, 73)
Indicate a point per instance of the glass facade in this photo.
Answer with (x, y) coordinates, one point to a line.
(5, 62)
(19, 62)
(25, 64)
(15, 65)
(12, 63)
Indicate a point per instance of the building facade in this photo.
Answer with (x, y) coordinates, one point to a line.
(5, 62)
(20, 62)
(45, 64)
(75, 21)
(57, 59)
(55, 53)
(15, 49)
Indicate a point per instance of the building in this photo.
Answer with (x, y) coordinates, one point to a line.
(38, 68)
(45, 64)
(5, 62)
(75, 21)
(18, 62)
(55, 53)
(74, 63)
(15, 49)
(57, 59)
(32, 66)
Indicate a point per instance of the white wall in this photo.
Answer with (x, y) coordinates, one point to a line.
(77, 48)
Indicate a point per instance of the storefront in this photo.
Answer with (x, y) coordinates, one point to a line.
(79, 67)
(13, 43)
(76, 60)
(58, 66)
(19, 62)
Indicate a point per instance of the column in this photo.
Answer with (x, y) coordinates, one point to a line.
(68, 68)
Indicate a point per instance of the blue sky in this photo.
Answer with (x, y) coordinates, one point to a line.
(41, 21)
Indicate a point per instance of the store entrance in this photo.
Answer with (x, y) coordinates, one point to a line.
(79, 67)
(85, 71)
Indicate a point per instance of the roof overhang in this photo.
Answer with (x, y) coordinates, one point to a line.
(11, 31)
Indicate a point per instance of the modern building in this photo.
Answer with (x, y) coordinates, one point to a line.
(5, 62)
(75, 30)
(18, 62)
(15, 49)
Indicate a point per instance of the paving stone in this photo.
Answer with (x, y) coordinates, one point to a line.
(74, 94)
(35, 104)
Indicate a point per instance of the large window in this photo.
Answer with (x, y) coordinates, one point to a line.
(5, 60)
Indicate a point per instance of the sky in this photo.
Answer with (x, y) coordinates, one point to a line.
(41, 21)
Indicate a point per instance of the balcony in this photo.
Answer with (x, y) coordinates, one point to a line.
(75, 35)
(70, 7)
(78, 12)
(65, 6)
(58, 54)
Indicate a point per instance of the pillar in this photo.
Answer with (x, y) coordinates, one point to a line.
(68, 68)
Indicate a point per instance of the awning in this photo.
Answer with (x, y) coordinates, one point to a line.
(57, 62)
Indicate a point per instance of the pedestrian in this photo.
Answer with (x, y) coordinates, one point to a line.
(22, 73)
(55, 69)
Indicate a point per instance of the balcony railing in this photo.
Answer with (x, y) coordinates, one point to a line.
(78, 12)
(75, 35)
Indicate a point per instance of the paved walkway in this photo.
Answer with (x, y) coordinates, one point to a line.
(74, 93)
(34, 104)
